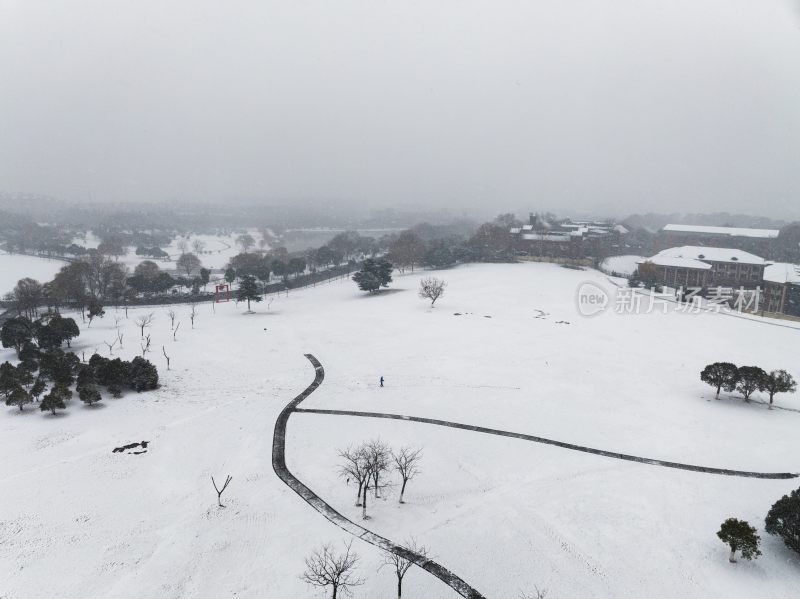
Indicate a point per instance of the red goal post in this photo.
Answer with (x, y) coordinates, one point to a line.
(223, 293)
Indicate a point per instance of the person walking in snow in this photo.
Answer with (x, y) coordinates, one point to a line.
(381, 380)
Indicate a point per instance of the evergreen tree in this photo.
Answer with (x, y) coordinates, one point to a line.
(739, 536)
(15, 332)
(296, 265)
(373, 275)
(64, 329)
(24, 376)
(8, 378)
(248, 290)
(54, 400)
(142, 375)
(439, 255)
(205, 275)
(778, 381)
(29, 357)
(38, 388)
(89, 394)
(58, 366)
(230, 275)
(94, 310)
(722, 375)
(783, 520)
(749, 380)
(18, 396)
(279, 268)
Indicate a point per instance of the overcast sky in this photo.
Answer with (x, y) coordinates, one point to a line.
(606, 106)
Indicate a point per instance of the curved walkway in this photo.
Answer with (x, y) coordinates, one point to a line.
(279, 465)
(562, 444)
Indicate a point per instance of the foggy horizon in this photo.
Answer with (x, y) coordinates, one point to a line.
(477, 108)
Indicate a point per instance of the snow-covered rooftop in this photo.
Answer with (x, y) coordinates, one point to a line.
(545, 237)
(782, 272)
(711, 254)
(677, 262)
(731, 231)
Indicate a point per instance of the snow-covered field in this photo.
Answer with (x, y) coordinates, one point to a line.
(78, 521)
(624, 265)
(14, 267)
(218, 250)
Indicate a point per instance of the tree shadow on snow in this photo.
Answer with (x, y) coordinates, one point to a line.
(383, 292)
(98, 405)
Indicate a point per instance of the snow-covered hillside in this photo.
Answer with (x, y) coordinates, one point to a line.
(504, 348)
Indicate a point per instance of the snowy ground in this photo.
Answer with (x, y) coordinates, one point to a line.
(219, 249)
(14, 267)
(625, 265)
(505, 514)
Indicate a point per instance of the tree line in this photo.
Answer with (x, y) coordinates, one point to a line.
(747, 380)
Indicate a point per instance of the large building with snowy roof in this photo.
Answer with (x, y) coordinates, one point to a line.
(760, 241)
(697, 266)
(782, 289)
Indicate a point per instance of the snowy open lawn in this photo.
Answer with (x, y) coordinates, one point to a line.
(78, 521)
(625, 265)
(218, 250)
(14, 267)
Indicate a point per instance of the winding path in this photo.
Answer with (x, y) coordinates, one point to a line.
(279, 465)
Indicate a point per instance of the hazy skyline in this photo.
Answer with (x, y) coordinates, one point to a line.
(572, 105)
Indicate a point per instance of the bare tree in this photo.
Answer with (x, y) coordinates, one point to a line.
(380, 456)
(164, 349)
(193, 314)
(246, 242)
(431, 288)
(377, 456)
(198, 245)
(325, 568)
(354, 466)
(172, 315)
(175, 332)
(111, 346)
(118, 328)
(144, 321)
(406, 462)
(219, 491)
(400, 564)
(183, 246)
(188, 263)
(145, 345)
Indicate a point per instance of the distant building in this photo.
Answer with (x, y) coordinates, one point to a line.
(694, 266)
(678, 272)
(760, 241)
(567, 238)
(782, 289)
